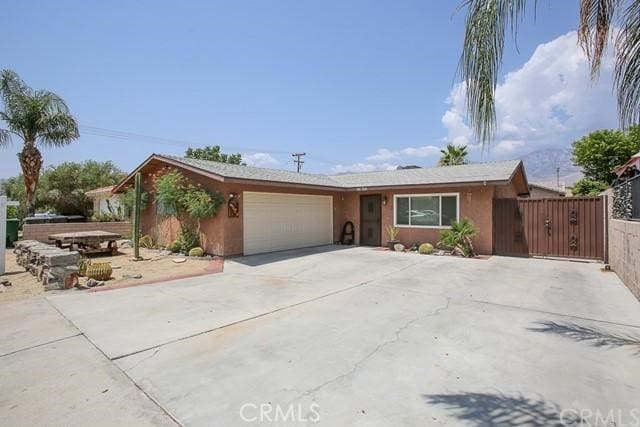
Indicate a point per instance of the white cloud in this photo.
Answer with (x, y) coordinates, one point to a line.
(424, 151)
(260, 159)
(363, 167)
(549, 102)
(382, 154)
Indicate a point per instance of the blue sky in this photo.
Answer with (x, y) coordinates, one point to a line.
(358, 85)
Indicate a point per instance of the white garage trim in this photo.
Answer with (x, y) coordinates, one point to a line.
(279, 221)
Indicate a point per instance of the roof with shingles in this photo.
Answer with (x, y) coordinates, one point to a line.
(227, 170)
(475, 172)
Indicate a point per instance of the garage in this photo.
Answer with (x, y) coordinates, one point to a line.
(279, 221)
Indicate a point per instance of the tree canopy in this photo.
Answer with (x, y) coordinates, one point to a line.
(62, 187)
(600, 152)
(212, 153)
(453, 155)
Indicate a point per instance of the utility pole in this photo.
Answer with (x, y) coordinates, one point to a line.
(298, 162)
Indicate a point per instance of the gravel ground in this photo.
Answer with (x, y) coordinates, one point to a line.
(153, 267)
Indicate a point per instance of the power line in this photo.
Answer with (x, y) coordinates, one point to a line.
(131, 136)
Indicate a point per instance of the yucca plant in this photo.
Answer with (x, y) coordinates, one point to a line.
(392, 232)
(458, 238)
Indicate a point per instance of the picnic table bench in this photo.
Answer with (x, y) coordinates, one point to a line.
(87, 242)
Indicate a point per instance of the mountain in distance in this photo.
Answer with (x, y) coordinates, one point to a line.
(541, 166)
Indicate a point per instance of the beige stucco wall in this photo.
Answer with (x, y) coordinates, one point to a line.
(624, 252)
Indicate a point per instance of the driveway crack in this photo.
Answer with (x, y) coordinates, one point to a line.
(372, 353)
(144, 359)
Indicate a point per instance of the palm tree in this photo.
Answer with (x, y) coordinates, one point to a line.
(453, 155)
(487, 22)
(37, 117)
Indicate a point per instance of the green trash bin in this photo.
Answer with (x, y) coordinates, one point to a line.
(12, 231)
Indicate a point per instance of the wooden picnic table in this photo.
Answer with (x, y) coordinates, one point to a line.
(87, 242)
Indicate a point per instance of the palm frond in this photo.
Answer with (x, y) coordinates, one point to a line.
(57, 129)
(486, 24)
(11, 85)
(51, 101)
(5, 137)
(593, 32)
(627, 68)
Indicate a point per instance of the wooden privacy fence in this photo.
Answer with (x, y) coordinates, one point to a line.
(572, 227)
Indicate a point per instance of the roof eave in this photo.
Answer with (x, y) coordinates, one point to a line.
(119, 187)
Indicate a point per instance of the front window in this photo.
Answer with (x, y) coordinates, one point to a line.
(429, 210)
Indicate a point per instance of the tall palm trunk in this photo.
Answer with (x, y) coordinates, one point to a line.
(31, 163)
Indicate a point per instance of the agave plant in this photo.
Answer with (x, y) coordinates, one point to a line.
(458, 238)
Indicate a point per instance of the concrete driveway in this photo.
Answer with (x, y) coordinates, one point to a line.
(334, 336)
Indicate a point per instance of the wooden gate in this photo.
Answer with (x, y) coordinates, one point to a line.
(571, 227)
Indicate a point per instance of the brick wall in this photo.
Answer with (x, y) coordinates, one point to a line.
(41, 232)
(624, 252)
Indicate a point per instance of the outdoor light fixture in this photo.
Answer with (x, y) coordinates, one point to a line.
(233, 195)
(384, 200)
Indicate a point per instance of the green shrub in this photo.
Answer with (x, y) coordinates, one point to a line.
(425, 248)
(146, 241)
(197, 252)
(458, 238)
(188, 240)
(174, 246)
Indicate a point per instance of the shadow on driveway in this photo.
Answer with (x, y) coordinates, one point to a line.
(496, 409)
(593, 336)
(262, 259)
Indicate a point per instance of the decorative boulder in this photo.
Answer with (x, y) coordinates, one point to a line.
(398, 247)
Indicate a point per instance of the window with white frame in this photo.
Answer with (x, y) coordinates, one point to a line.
(426, 210)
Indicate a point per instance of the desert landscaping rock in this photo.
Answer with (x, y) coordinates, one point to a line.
(52, 266)
(398, 247)
(93, 283)
(179, 260)
(132, 276)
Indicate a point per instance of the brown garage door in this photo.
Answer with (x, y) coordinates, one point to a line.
(571, 227)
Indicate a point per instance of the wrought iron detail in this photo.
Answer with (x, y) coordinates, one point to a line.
(573, 217)
(573, 242)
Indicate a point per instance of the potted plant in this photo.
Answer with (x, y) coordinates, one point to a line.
(393, 234)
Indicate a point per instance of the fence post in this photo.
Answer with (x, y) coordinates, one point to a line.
(136, 218)
(3, 231)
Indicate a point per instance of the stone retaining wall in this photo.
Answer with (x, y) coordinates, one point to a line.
(41, 232)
